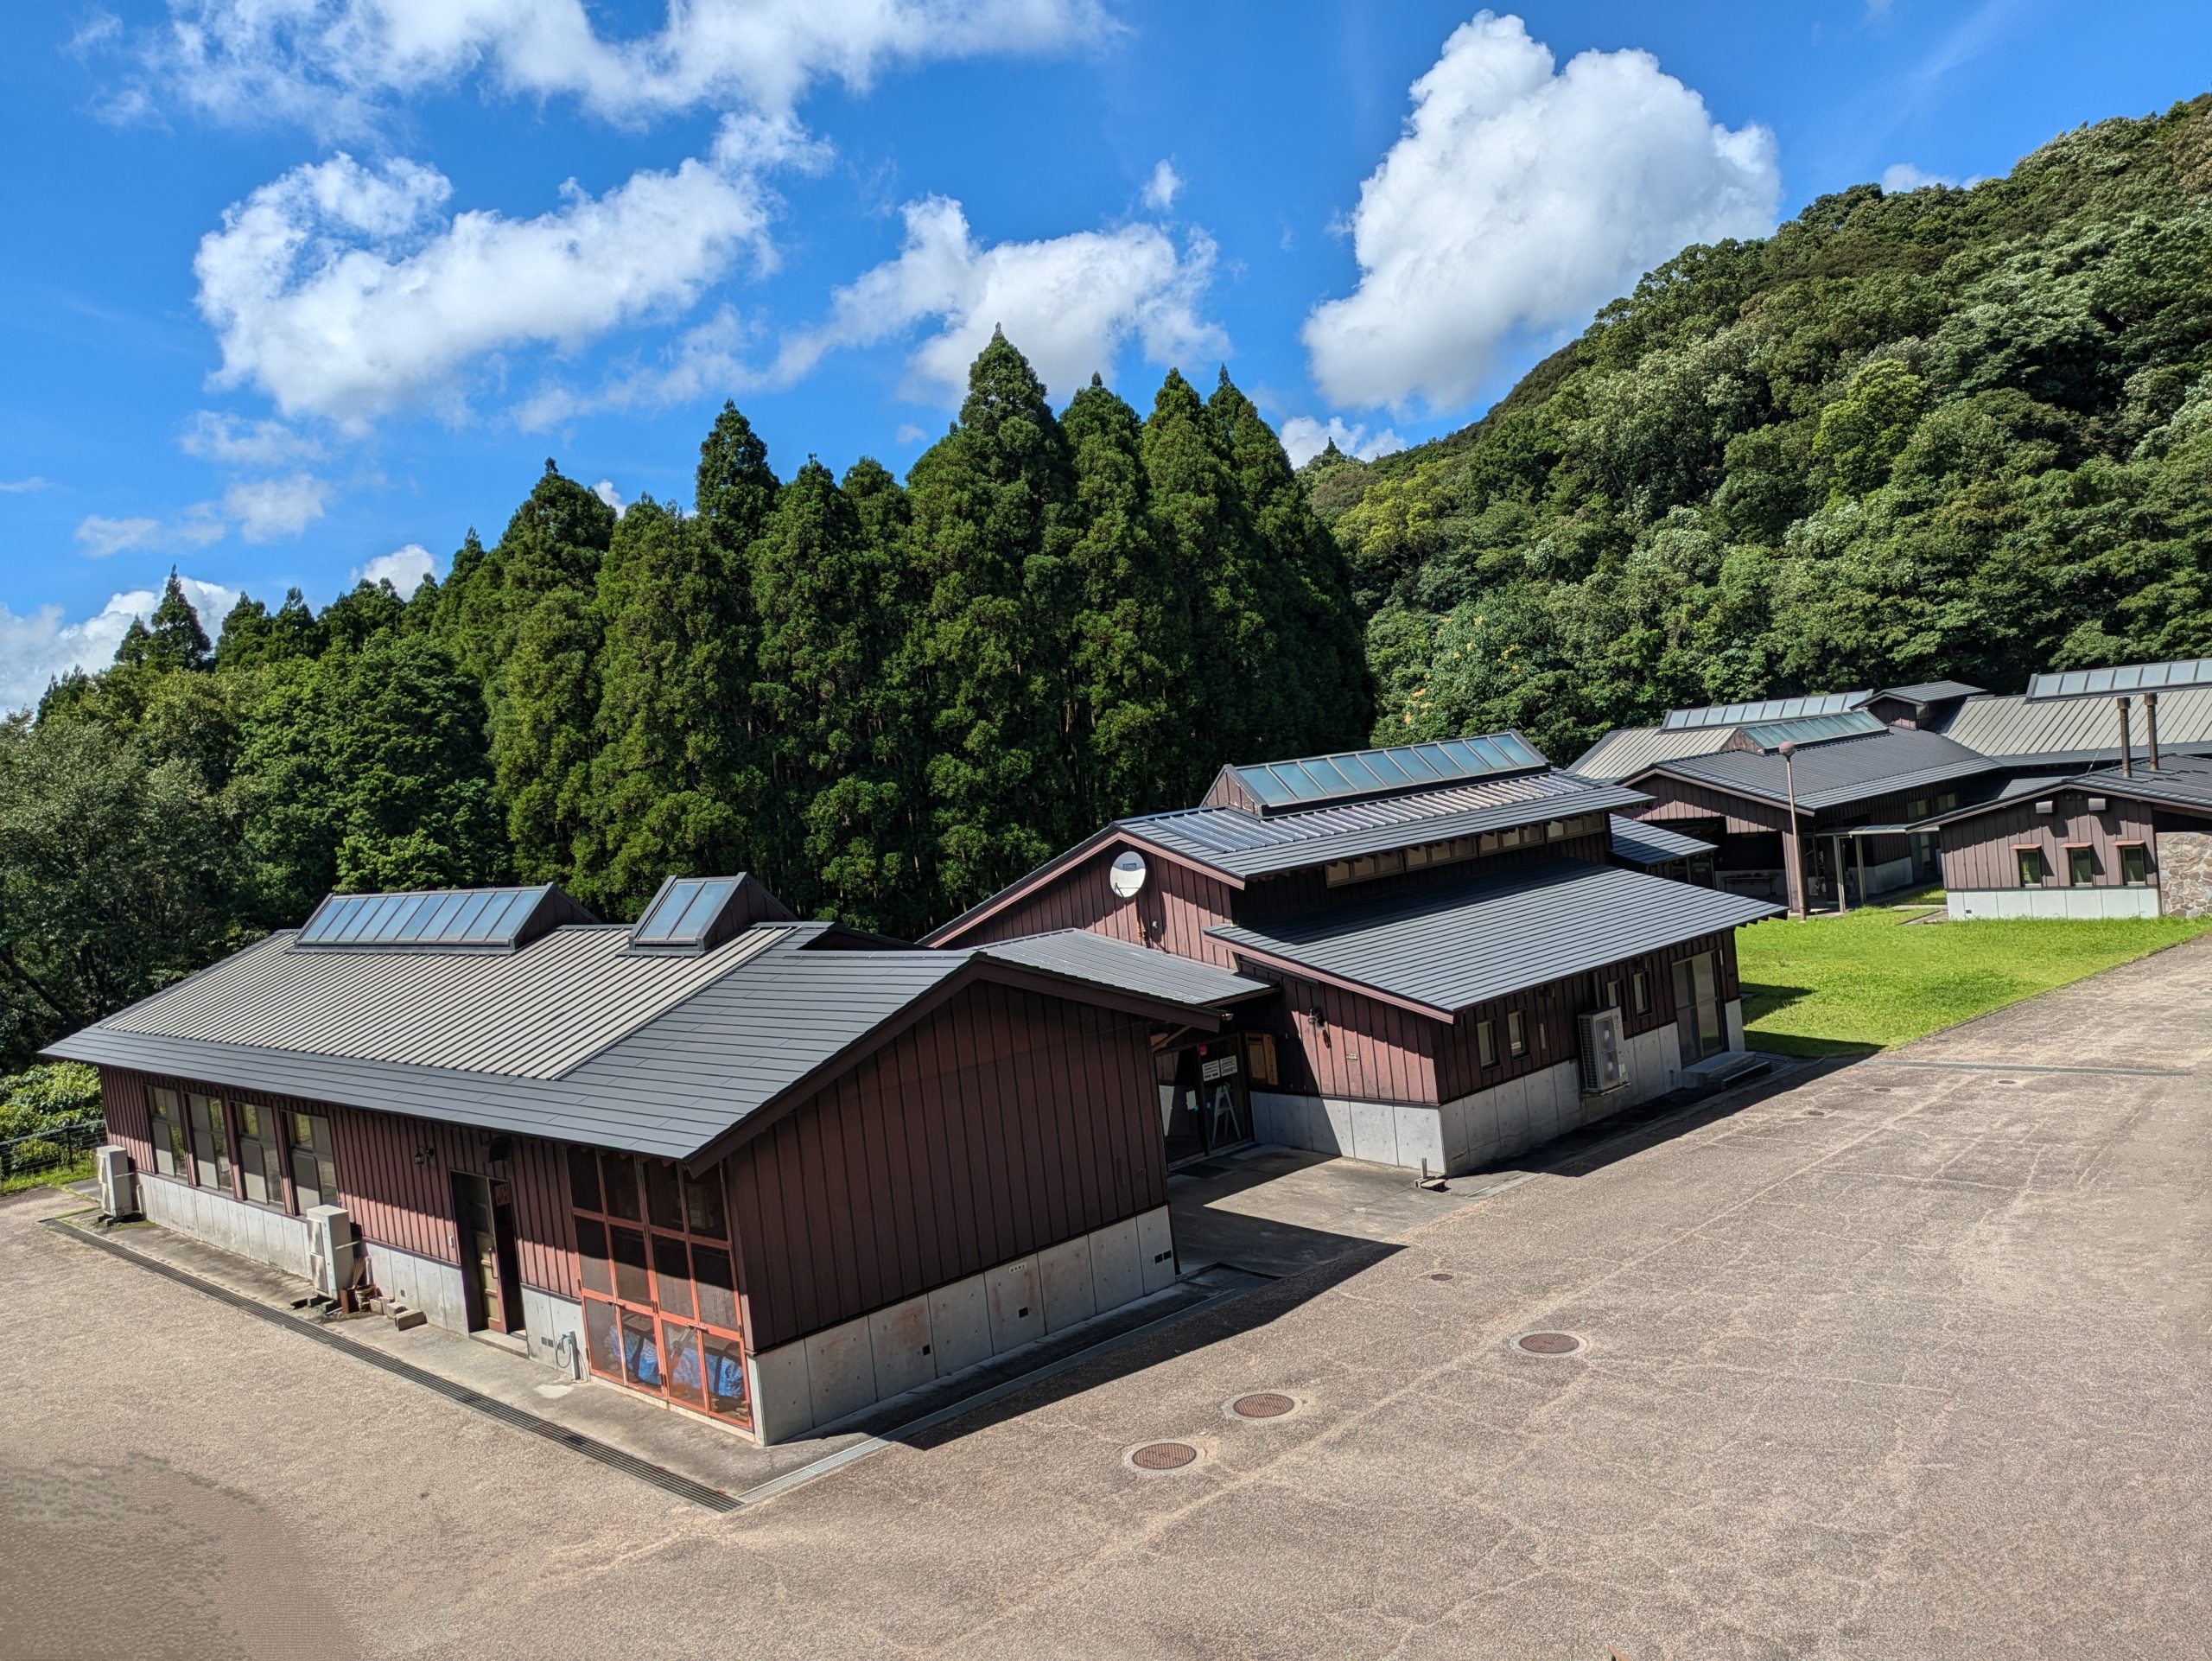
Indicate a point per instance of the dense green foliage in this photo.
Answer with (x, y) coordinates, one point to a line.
(887, 700)
(1947, 433)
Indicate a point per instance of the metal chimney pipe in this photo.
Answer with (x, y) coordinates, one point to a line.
(2151, 726)
(2126, 759)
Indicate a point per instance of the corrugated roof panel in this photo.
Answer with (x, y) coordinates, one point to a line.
(1449, 947)
(2082, 728)
(1831, 775)
(1644, 842)
(1103, 961)
(1626, 751)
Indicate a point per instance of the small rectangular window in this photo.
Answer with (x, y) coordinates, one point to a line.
(314, 1174)
(2081, 867)
(1516, 1033)
(1486, 1043)
(2031, 867)
(260, 1167)
(1612, 995)
(1639, 986)
(166, 1116)
(211, 1143)
(1337, 872)
(2135, 865)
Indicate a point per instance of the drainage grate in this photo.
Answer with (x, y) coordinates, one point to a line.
(1263, 1405)
(668, 1481)
(1547, 1343)
(1163, 1456)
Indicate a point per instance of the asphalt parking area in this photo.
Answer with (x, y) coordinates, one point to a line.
(1906, 1359)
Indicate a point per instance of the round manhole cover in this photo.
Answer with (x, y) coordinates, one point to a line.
(1263, 1405)
(1547, 1343)
(1164, 1456)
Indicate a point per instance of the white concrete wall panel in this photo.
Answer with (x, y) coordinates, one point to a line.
(782, 1404)
(1116, 1275)
(1017, 1308)
(1156, 1248)
(422, 1283)
(839, 1370)
(1974, 905)
(900, 1342)
(960, 1326)
(1064, 1278)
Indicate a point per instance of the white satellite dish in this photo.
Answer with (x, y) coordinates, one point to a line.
(1127, 875)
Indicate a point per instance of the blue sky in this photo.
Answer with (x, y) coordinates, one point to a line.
(300, 289)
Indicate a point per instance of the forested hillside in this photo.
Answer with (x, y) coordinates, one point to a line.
(1952, 432)
(886, 699)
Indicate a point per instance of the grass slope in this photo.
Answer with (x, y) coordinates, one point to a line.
(1836, 985)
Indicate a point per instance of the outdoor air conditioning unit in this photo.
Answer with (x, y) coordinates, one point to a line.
(118, 1185)
(331, 1248)
(1604, 1065)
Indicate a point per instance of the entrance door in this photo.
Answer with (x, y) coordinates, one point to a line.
(484, 1209)
(1208, 1107)
(1697, 1007)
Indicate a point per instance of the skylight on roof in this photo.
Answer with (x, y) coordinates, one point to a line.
(467, 920)
(683, 911)
(1735, 714)
(1314, 779)
(1813, 729)
(2128, 677)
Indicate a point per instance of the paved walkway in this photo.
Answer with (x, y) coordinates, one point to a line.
(1910, 1358)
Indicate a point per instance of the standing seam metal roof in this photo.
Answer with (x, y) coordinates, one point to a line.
(1832, 775)
(1081, 955)
(1447, 948)
(2087, 727)
(1244, 844)
(1643, 842)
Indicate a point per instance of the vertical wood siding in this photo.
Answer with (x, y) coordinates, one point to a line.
(1005, 1123)
(1978, 851)
(393, 1200)
(1177, 905)
(1672, 798)
(1308, 889)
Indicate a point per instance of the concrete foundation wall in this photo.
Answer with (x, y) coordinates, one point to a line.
(817, 1380)
(1888, 874)
(2184, 872)
(266, 1236)
(1474, 1131)
(1967, 905)
(422, 1283)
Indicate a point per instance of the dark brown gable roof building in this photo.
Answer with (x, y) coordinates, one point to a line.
(771, 1171)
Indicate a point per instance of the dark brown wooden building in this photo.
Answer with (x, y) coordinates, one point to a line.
(765, 1170)
(1469, 958)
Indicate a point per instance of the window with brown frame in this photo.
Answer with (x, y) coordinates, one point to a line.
(1486, 1043)
(261, 1164)
(1639, 988)
(211, 1142)
(172, 1157)
(659, 1286)
(1516, 1033)
(315, 1171)
(2081, 865)
(2031, 864)
(2135, 865)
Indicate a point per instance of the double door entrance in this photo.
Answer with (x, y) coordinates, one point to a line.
(1208, 1106)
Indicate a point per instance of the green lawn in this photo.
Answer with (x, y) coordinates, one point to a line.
(1835, 985)
(54, 1176)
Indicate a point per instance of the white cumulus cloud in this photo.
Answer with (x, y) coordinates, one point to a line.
(233, 441)
(99, 536)
(605, 492)
(265, 509)
(337, 65)
(36, 648)
(1070, 303)
(22, 487)
(1162, 189)
(404, 568)
(1521, 197)
(1900, 176)
(1304, 438)
(348, 292)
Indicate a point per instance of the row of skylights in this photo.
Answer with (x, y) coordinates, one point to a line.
(486, 919)
(1737, 714)
(2131, 677)
(1814, 730)
(1318, 778)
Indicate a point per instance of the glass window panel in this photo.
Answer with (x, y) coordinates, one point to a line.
(671, 1278)
(1516, 1033)
(584, 1178)
(431, 922)
(629, 1281)
(2081, 867)
(702, 1204)
(459, 925)
(684, 1383)
(307, 1181)
(725, 1361)
(717, 1288)
(621, 1174)
(602, 1325)
(2134, 867)
(664, 1199)
(591, 1255)
(701, 910)
(641, 1351)
(1486, 1043)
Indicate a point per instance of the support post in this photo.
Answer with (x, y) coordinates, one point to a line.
(1799, 904)
(2127, 759)
(2151, 726)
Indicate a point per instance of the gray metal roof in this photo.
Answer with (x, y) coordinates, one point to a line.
(765, 1022)
(1279, 787)
(1245, 844)
(2128, 677)
(1626, 751)
(1443, 949)
(1811, 729)
(2079, 728)
(2183, 784)
(530, 1014)
(1643, 842)
(1931, 691)
(1833, 775)
(1101, 960)
(1735, 714)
